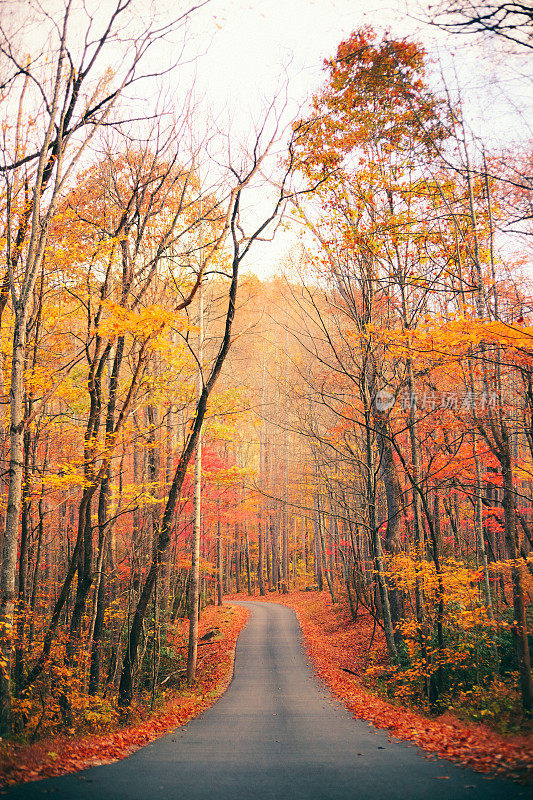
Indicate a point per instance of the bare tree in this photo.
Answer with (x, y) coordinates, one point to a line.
(512, 21)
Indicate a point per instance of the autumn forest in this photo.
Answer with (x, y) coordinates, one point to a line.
(353, 430)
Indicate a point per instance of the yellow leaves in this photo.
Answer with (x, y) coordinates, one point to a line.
(523, 471)
(226, 477)
(456, 337)
(456, 585)
(70, 475)
(206, 567)
(146, 323)
(142, 496)
(38, 380)
(418, 281)
(225, 413)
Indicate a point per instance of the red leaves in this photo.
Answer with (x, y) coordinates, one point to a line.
(334, 642)
(21, 763)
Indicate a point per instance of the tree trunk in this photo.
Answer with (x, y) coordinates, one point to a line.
(237, 557)
(10, 545)
(219, 576)
(517, 576)
(163, 538)
(97, 623)
(260, 566)
(194, 584)
(23, 564)
(384, 597)
(247, 558)
(85, 575)
(479, 531)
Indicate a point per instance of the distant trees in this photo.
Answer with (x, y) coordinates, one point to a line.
(102, 265)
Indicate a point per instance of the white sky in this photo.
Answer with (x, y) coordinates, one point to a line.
(259, 41)
(253, 48)
(248, 50)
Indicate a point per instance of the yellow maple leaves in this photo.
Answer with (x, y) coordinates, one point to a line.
(454, 338)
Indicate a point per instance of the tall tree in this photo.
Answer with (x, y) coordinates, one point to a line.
(63, 99)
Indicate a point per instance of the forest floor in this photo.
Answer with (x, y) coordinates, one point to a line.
(341, 651)
(21, 762)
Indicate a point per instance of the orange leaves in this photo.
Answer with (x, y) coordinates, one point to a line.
(148, 322)
(206, 566)
(60, 755)
(458, 581)
(517, 337)
(334, 642)
(375, 98)
(455, 337)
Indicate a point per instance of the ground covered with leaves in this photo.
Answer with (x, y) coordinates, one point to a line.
(342, 653)
(20, 762)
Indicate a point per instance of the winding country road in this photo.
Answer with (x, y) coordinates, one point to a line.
(276, 734)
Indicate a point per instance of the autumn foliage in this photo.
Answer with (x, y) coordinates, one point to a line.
(61, 754)
(365, 418)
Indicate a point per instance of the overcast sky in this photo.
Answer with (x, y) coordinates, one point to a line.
(253, 48)
(243, 52)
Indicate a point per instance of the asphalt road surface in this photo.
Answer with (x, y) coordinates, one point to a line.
(276, 734)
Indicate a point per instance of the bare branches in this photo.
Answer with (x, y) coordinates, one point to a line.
(513, 21)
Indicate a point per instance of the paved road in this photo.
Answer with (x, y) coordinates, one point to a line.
(276, 734)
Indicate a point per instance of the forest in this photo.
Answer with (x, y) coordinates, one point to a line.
(177, 427)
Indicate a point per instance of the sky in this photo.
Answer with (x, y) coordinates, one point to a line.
(253, 50)
(241, 54)
(259, 44)
(251, 47)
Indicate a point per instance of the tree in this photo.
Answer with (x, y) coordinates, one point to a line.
(513, 21)
(62, 100)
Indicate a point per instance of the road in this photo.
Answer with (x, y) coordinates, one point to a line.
(276, 734)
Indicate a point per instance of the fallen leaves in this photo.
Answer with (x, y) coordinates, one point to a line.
(339, 652)
(21, 763)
